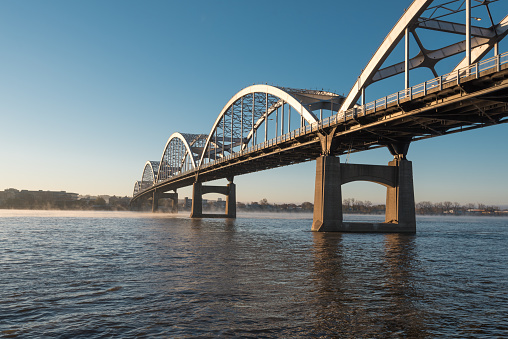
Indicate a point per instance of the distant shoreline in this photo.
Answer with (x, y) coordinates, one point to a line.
(60, 200)
(246, 211)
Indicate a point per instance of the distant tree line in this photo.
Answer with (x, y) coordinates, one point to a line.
(54, 200)
(14, 199)
(354, 206)
(348, 206)
(454, 208)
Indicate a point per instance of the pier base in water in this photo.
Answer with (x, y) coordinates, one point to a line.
(397, 177)
(172, 196)
(198, 189)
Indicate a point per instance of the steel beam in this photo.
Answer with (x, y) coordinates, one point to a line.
(390, 42)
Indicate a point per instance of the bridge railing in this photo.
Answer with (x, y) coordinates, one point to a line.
(407, 94)
(455, 77)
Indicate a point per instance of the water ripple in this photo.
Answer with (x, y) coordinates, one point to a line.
(95, 275)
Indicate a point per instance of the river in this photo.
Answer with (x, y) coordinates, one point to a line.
(70, 274)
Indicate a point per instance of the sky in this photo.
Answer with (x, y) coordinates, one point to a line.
(91, 90)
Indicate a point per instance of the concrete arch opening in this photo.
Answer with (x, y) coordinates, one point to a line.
(363, 197)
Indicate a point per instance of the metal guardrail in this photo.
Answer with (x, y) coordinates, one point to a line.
(382, 103)
(473, 70)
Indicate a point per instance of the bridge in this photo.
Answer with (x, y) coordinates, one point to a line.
(263, 127)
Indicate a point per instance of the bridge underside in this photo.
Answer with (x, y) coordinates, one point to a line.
(460, 107)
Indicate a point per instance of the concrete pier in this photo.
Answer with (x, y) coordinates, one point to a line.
(197, 200)
(400, 200)
(397, 177)
(327, 195)
(198, 189)
(165, 195)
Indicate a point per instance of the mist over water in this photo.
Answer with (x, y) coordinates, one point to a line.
(125, 274)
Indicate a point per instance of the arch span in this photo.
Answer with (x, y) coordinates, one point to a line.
(243, 115)
(181, 153)
(149, 174)
(137, 188)
(431, 15)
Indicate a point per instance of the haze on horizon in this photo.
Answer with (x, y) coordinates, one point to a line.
(92, 90)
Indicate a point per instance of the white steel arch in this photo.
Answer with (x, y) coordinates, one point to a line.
(281, 93)
(251, 107)
(428, 15)
(149, 174)
(181, 153)
(137, 188)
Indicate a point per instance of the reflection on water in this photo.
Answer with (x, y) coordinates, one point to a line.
(359, 297)
(400, 266)
(87, 274)
(335, 315)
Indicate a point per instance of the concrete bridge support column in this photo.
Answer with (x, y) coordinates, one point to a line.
(197, 200)
(174, 206)
(231, 200)
(157, 195)
(198, 189)
(174, 200)
(397, 177)
(400, 200)
(155, 201)
(327, 195)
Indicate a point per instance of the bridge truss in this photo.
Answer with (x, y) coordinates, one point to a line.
(265, 126)
(449, 17)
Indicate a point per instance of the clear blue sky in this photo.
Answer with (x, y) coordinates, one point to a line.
(91, 90)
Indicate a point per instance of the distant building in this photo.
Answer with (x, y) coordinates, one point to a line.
(51, 196)
(119, 201)
(9, 193)
(105, 197)
(220, 204)
(13, 198)
(187, 203)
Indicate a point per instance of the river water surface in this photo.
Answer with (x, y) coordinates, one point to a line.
(109, 274)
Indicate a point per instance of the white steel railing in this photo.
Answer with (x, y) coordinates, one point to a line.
(473, 70)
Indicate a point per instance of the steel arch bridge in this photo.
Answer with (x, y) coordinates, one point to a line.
(239, 126)
(265, 126)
